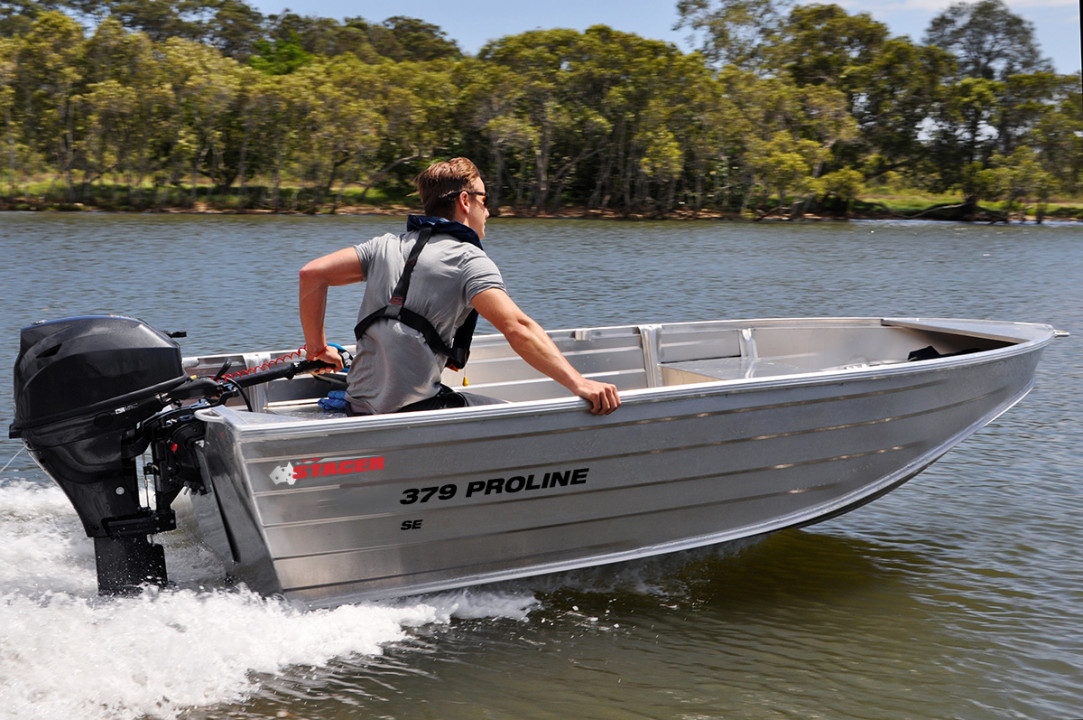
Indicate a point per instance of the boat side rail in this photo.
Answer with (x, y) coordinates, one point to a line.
(612, 354)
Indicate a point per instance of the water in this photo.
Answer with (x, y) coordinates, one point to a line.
(958, 596)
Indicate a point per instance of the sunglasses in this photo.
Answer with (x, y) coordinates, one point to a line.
(475, 193)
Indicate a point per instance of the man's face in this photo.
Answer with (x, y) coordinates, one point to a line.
(477, 213)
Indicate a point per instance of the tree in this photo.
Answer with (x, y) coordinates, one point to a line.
(489, 99)
(989, 41)
(236, 29)
(1002, 87)
(17, 16)
(787, 104)
(277, 112)
(1026, 98)
(899, 88)
(962, 131)
(735, 32)
(823, 45)
(404, 38)
(10, 146)
(344, 125)
(122, 102)
(782, 164)
(826, 120)
(1020, 176)
(280, 56)
(1058, 134)
(322, 36)
(205, 87)
(48, 80)
(542, 61)
(159, 19)
(845, 185)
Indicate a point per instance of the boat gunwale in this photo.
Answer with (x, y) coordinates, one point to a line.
(253, 426)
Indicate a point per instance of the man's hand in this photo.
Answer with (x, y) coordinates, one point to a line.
(330, 356)
(603, 397)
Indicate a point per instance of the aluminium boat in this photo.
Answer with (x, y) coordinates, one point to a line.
(728, 429)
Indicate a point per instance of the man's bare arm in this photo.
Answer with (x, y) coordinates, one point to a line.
(530, 341)
(339, 268)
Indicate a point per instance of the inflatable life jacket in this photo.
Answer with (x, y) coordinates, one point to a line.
(396, 309)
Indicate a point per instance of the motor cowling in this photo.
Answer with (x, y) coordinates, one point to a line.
(83, 385)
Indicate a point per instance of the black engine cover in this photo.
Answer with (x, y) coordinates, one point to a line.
(82, 366)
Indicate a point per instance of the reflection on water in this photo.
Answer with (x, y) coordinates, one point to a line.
(959, 595)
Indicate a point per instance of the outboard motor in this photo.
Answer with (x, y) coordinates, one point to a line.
(92, 394)
(83, 386)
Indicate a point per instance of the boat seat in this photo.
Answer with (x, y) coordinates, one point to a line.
(731, 368)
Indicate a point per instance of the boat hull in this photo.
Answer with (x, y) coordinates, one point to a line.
(340, 509)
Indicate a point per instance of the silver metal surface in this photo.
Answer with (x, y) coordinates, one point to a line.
(728, 430)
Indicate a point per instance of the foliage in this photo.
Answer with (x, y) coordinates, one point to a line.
(786, 109)
(989, 41)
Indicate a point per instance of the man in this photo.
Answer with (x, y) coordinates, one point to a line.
(396, 367)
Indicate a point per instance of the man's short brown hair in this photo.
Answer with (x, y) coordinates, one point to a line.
(440, 184)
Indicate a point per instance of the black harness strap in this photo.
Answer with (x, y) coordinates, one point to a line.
(396, 309)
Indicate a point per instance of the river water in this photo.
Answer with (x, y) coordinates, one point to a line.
(960, 595)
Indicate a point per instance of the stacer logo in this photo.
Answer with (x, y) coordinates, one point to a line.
(318, 467)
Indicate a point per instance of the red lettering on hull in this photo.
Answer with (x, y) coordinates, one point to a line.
(316, 467)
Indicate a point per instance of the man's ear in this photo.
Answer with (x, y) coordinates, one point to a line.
(461, 207)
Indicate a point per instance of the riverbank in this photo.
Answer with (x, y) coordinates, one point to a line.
(872, 208)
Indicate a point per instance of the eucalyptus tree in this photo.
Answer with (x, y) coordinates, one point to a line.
(541, 60)
(235, 29)
(204, 89)
(125, 101)
(784, 165)
(277, 108)
(616, 123)
(901, 89)
(16, 16)
(989, 104)
(845, 185)
(342, 126)
(962, 135)
(742, 33)
(1025, 99)
(822, 44)
(397, 38)
(1019, 177)
(684, 129)
(1058, 134)
(159, 19)
(826, 119)
(500, 137)
(405, 38)
(711, 133)
(989, 41)
(373, 120)
(321, 36)
(47, 83)
(10, 148)
(416, 102)
(603, 110)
